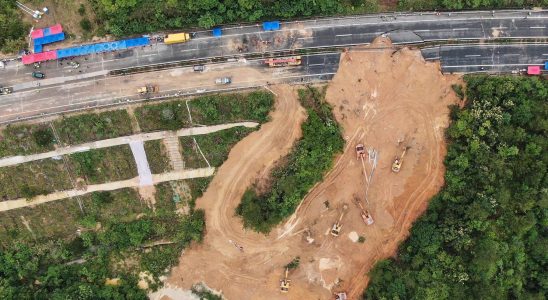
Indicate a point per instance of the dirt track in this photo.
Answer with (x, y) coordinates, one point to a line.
(379, 99)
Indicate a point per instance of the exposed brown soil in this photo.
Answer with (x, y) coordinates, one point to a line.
(383, 99)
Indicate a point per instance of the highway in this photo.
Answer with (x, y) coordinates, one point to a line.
(320, 33)
(66, 89)
(487, 58)
(106, 91)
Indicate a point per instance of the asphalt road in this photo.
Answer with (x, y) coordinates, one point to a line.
(52, 97)
(488, 58)
(330, 32)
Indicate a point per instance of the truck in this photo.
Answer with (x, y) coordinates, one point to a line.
(283, 61)
(176, 38)
(148, 89)
(6, 90)
(223, 80)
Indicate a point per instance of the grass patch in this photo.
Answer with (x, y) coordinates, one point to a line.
(94, 126)
(207, 110)
(26, 139)
(105, 164)
(158, 159)
(121, 205)
(188, 191)
(310, 158)
(48, 221)
(215, 146)
(34, 178)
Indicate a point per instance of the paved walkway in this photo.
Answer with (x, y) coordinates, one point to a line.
(110, 186)
(140, 156)
(15, 160)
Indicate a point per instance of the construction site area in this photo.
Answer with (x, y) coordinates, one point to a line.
(393, 109)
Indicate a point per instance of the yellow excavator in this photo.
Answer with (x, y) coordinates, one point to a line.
(336, 229)
(398, 161)
(284, 283)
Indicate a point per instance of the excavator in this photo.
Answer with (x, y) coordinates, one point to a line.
(148, 89)
(398, 161)
(360, 151)
(336, 229)
(364, 213)
(284, 283)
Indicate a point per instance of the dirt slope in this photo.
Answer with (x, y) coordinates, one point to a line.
(383, 99)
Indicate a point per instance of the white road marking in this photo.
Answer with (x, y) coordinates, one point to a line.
(305, 38)
(315, 65)
(537, 27)
(497, 65)
(459, 29)
(500, 27)
(472, 55)
(340, 35)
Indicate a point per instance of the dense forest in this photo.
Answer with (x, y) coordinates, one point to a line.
(122, 17)
(12, 28)
(484, 236)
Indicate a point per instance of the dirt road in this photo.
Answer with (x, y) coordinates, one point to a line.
(383, 99)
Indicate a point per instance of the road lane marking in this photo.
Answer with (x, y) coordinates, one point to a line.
(472, 55)
(315, 65)
(537, 27)
(459, 29)
(305, 38)
(340, 35)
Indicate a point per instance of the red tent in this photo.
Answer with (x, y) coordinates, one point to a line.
(533, 70)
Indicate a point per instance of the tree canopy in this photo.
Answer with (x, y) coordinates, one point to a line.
(484, 236)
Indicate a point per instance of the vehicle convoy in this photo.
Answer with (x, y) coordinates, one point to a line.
(148, 89)
(364, 213)
(398, 161)
(6, 90)
(175, 38)
(223, 80)
(38, 75)
(283, 61)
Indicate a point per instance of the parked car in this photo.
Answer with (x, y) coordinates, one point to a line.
(223, 80)
(6, 90)
(74, 64)
(198, 68)
(38, 75)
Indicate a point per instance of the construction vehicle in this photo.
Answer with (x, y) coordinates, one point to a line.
(360, 151)
(398, 161)
(198, 68)
(336, 229)
(283, 61)
(223, 80)
(364, 213)
(149, 88)
(6, 90)
(340, 296)
(177, 38)
(284, 283)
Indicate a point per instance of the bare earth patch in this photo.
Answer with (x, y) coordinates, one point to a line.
(383, 99)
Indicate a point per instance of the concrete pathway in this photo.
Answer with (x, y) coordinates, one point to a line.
(140, 156)
(15, 160)
(110, 186)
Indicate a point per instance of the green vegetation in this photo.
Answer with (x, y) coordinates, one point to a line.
(71, 264)
(184, 191)
(92, 127)
(361, 239)
(215, 146)
(105, 164)
(204, 293)
(157, 157)
(12, 27)
(34, 178)
(26, 139)
(484, 235)
(86, 25)
(294, 263)
(207, 110)
(457, 88)
(291, 180)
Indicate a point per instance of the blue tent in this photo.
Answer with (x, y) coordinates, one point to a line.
(49, 39)
(37, 48)
(546, 65)
(217, 32)
(272, 25)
